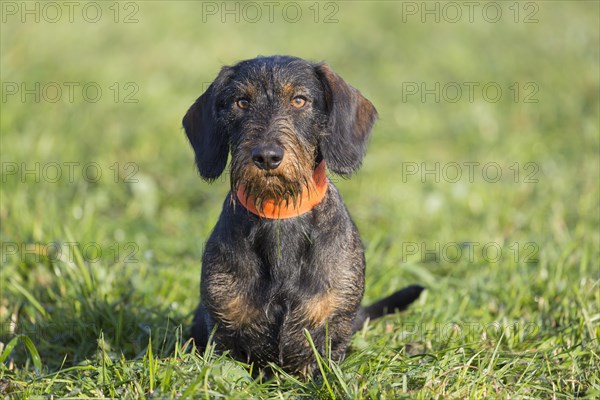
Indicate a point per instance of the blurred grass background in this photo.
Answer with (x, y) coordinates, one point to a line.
(149, 213)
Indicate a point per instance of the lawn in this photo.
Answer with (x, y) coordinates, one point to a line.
(481, 183)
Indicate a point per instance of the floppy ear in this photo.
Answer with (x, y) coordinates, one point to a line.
(351, 117)
(207, 135)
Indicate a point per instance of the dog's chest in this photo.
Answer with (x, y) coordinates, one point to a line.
(279, 281)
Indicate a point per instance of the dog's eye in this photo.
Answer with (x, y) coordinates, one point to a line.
(243, 103)
(298, 102)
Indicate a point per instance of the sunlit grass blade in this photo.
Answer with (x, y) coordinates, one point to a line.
(26, 341)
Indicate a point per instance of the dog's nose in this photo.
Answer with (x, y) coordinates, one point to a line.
(267, 157)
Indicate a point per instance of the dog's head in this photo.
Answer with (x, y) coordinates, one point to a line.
(279, 116)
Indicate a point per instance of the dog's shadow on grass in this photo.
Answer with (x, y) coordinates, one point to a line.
(86, 330)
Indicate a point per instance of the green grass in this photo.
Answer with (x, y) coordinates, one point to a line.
(100, 275)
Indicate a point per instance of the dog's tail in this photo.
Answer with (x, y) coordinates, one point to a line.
(396, 302)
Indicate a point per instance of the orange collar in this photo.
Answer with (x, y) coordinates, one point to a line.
(305, 202)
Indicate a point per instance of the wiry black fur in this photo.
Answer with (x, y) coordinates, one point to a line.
(265, 281)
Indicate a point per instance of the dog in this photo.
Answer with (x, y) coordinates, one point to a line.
(284, 260)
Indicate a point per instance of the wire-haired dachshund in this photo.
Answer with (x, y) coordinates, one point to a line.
(284, 259)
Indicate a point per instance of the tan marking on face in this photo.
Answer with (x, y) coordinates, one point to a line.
(247, 89)
(288, 89)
